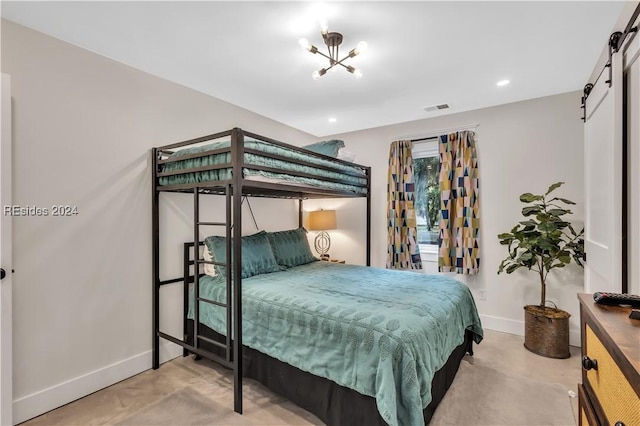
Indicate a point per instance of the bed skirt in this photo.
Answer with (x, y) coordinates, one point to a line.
(333, 404)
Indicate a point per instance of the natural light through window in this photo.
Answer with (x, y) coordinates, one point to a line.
(427, 199)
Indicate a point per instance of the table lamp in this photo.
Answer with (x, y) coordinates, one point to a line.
(322, 220)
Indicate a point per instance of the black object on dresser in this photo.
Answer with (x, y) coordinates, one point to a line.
(610, 390)
(618, 299)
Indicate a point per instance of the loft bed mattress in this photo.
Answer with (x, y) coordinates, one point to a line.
(348, 182)
(381, 333)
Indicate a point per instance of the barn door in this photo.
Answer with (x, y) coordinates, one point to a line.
(631, 52)
(603, 180)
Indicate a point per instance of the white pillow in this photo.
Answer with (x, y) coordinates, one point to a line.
(345, 155)
(209, 269)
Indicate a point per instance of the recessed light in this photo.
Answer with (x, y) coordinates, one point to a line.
(502, 82)
(332, 120)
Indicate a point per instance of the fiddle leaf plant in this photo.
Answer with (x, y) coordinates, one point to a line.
(544, 240)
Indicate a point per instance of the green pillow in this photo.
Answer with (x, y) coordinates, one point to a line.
(330, 147)
(291, 248)
(257, 256)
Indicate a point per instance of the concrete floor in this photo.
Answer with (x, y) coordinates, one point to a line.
(118, 402)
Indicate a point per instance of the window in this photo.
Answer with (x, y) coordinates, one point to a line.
(427, 197)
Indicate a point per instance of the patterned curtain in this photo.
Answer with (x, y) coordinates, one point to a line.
(459, 206)
(402, 243)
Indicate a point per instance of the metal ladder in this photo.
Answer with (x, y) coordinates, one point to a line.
(196, 277)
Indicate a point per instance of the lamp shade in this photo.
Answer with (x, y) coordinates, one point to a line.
(321, 220)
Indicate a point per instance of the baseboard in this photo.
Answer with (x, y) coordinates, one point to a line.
(40, 402)
(510, 326)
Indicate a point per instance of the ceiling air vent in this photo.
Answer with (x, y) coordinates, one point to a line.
(436, 107)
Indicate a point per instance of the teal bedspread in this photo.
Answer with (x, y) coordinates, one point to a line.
(382, 333)
(347, 182)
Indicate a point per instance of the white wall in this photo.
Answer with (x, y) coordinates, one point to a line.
(522, 147)
(83, 129)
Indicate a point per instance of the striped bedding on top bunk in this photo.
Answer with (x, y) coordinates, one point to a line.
(344, 173)
(382, 333)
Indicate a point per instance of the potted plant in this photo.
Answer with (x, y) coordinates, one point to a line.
(542, 242)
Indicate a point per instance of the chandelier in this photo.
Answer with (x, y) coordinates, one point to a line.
(333, 41)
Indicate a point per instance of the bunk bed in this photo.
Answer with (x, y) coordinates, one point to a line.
(246, 164)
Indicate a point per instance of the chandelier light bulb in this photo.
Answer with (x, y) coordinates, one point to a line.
(324, 26)
(362, 47)
(304, 43)
(317, 74)
(357, 73)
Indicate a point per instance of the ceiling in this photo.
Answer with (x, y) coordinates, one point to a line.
(420, 53)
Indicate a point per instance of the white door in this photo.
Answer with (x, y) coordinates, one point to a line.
(632, 82)
(6, 370)
(603, 182)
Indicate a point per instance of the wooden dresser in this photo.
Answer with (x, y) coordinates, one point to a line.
(610, 389)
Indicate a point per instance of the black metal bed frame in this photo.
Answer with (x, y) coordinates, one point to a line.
(234, 190)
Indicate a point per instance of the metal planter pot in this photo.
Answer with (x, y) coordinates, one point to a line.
(546, 331)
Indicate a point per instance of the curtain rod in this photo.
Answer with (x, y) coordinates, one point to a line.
(431, 138)
(439, 132)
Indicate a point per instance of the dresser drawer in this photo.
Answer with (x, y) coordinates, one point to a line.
(587, 415)
(617, 398)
